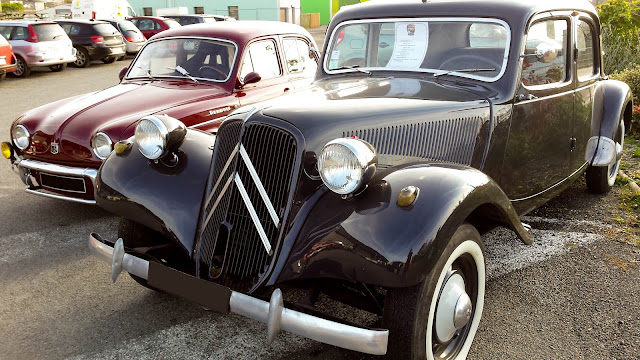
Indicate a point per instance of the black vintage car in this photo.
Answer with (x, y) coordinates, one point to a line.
(428, 125)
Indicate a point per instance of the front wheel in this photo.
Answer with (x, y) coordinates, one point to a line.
(135, 235)
(438, 318)
(600, 179)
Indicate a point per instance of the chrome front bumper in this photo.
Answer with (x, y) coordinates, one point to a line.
(23, 167)
(272, 313)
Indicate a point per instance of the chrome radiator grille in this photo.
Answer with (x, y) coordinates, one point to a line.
(249, 188)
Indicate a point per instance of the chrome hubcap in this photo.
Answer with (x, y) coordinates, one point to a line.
(454, 308)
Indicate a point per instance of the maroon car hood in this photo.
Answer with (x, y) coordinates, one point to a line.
(73, 122)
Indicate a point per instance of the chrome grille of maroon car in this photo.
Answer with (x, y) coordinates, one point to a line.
(236, 254)
(451, 140)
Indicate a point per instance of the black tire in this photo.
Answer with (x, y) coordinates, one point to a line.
(82, 58)
(600, 179)
(410, 313)
(135, 235)
(58, 68)
(108, 60)
(23, 69)
(121, 58)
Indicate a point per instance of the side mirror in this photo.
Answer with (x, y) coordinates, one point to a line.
(250, 78)
(547, 51)
(123, 72)
(315, 55)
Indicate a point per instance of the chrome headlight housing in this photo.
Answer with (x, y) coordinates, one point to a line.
(102, 145)
(21, 137)
(346, 165)
(157, 136)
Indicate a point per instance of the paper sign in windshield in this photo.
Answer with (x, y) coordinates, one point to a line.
(410, 45)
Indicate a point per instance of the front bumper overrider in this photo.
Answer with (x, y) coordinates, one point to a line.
(222, 299)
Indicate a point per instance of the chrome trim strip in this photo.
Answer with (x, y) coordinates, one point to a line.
(252, 212)
(580, 170)
(58, 169)
(273, 313)
(215, 205)
(258, 183)
(224, 170)
(60, 197)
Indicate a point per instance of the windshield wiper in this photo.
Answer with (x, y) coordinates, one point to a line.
(146, 71)
(461, 71)
(354, 67)
(183, 72)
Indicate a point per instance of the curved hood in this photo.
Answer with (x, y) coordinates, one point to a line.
(385, 112)
(72, 122)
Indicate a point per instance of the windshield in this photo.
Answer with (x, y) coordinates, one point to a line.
(474, 48)
(48, 32)
(127, 26)
(105, 29)
(202, 59)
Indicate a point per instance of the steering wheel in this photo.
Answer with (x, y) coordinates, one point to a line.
(469, 62)
(214, 69)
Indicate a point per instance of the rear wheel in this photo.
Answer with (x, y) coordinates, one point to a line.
(438, 318)
(82, 58)
(600, 179)
(135, 235)
(58, 68)
(23, 70)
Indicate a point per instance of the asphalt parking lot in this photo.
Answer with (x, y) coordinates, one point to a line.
(568, 296)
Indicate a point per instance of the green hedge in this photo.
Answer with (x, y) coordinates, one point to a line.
(10, 7)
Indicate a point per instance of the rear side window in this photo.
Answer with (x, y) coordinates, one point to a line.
(21, 33)
(296, 53)
(145, 24)
(105, 29)
(49, 32)
(5, 31)
(586, 54)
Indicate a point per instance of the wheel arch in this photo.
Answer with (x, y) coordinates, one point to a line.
(373, 240)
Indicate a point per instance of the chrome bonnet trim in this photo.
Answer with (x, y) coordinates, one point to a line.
(58, 169)
(253, 214)
(273, 313)
(258, 183)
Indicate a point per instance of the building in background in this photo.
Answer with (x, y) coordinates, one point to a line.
(326, 8)
(276, 10)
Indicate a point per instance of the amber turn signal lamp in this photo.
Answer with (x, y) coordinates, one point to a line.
(407, 196)
(7, 150)
(121, 146)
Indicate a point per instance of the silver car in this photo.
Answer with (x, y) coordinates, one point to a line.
(38, 43)
(133, 38)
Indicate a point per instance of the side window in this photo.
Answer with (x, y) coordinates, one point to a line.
(157, 25)
(145, 24)
(66, 28)
(296, 54)
(261, 57)
(75, 30)
(6, 32)
(586, 54)
(20, 33)
(545, 60)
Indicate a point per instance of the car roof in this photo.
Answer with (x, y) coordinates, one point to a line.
(239, 31)
(26, 22)
(504, 9)
(82, 21)
(149, 17)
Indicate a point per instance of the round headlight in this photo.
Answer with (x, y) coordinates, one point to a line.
(151, 137)
(346, 165)
(21, 137)
(102, 145)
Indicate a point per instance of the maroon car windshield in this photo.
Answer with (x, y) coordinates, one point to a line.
(201, 59)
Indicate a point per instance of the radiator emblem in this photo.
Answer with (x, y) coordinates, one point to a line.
(54, 148)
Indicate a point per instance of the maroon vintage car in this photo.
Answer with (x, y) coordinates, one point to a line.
(197, 74)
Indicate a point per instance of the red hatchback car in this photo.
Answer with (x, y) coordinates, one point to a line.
(151, 25)
(7, 58)
(197, 74)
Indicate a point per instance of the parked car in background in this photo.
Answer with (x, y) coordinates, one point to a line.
(133, 37)
(37, 43)
(7, 58)
(197, 73)
(198, 18)
(151, 25)
(428, 123)
(94, 40)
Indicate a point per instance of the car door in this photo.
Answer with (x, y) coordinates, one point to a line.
(587, 68)
(538, 150)
(300, 66)
(262, 57)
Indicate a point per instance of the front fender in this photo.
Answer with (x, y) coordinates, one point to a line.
(612, 101)
(370, 239)
(165, 199)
